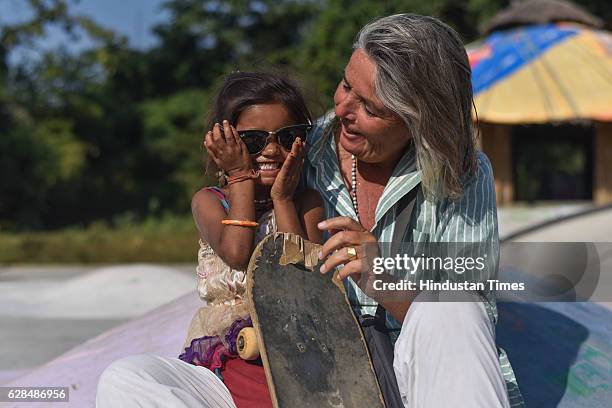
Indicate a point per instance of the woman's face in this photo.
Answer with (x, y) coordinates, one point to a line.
(369, 130)
(268, 117)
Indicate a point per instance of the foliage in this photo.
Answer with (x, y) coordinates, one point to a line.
(173, 133)
(168, 239)
(111, 129)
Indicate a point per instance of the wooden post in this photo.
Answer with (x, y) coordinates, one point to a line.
(496, 142)
(602, 185)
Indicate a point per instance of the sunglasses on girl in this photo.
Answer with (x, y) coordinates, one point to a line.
(257, 140)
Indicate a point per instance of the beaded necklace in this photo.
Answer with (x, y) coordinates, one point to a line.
(354, 185)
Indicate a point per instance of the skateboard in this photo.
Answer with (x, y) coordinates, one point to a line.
(304, 330)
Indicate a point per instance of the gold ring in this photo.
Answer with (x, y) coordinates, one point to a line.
(352, 253)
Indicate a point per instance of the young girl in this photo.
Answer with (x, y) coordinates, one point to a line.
(256, 140)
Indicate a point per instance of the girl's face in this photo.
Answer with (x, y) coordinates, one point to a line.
(268, 117)
(369, 130)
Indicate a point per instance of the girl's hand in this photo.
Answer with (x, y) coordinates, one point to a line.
(227, 150)
(289, 175)
(350, 236)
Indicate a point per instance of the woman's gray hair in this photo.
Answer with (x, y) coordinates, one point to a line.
(423, 76)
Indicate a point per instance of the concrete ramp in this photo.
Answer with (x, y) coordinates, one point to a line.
(161, 331)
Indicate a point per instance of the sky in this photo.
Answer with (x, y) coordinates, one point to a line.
(133, 18)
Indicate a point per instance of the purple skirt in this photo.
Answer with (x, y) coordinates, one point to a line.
(211, 352)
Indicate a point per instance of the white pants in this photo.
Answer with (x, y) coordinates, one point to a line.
(445, 356)
(147, 380)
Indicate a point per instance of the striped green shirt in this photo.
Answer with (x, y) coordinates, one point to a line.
(472, 218)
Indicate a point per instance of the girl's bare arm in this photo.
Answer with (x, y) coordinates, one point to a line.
(293, 213)
(233, 244)
(311, 212)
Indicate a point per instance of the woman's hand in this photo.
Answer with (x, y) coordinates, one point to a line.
(350, 236)
(227, 150)
(289, 175)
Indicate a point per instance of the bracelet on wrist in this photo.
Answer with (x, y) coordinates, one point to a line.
(240, 223)
(250, 175)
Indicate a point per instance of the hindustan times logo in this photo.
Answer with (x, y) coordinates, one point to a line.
(412, 264)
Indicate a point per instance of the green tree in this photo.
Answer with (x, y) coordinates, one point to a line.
(111, 130)
(173, 135)
(204, 39)
(326, 50)
(35, 154)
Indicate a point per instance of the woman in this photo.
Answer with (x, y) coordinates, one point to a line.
(402, 118)
(406, 98)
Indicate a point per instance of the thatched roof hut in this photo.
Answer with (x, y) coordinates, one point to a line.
(525, 12)
(544, 102)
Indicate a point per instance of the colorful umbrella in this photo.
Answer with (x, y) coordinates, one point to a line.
(543, 73)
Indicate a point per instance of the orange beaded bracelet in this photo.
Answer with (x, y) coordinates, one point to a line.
(240, 223)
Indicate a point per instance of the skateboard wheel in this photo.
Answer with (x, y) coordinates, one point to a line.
(246, 343)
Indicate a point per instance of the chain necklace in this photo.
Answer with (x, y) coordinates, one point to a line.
(264, 201)
(354, 185)
(262, 205)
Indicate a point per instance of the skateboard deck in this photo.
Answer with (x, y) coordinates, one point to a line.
(310, 342)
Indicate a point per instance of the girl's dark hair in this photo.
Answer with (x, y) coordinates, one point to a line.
(240, 90)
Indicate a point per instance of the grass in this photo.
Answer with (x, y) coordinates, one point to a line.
(171, 239)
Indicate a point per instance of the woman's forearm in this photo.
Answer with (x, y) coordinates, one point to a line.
(397, 309)
(395, 302)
